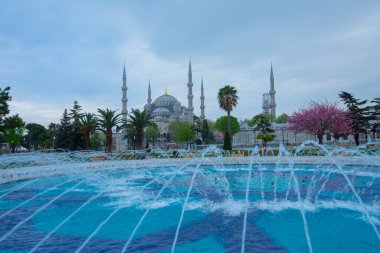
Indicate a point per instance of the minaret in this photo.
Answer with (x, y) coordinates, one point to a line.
(272, 94)
(202, 102)
(266, 106)
(190, 96)
(124, 100)
(149, 100)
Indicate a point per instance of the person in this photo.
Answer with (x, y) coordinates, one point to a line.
(175, 153)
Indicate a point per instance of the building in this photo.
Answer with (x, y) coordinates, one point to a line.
(165, 109)
(247, 136)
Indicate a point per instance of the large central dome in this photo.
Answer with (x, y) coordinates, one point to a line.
(165, 98)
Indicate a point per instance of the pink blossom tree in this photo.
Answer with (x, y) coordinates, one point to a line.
(320, 118)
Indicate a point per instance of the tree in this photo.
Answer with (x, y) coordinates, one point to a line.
(260, 117)
(130, 135)
(375, 116)
(181, 131)
(97, 140)
(282, 118)
(108, 119)
(65, 133)
(227, 142)
(358, 113)
(88, 126)
(37, 135)
(221, 124)
(263, 126)
(76, 116)
(13, 131)
(4, 107)
(76, 112)
(4, 99)
(197, 124)
(152, 133)
(320, 119)
(227, 99)
(140, 120)
(206, 135)
(52, 132)
(47, 143)
(211, 125)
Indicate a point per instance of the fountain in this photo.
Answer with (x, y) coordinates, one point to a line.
(307, 199)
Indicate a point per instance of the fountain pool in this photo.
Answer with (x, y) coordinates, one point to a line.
(202, 205)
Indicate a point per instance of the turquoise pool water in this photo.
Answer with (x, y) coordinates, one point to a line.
(139, 210)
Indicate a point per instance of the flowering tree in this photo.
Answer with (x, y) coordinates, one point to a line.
(320, 118)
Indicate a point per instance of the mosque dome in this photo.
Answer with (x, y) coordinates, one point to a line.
(165, 99)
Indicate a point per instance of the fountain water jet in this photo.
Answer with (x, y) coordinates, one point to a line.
(150, 206)
(324, 189)
(108, 218)
(253, 153)
(296, 188)
(188, 195)
(364, 210)
(184, 207)
(91, 199)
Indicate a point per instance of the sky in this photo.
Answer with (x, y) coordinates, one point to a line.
(55, 52)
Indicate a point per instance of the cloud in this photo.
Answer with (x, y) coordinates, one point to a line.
(33, 112)
(51, 58)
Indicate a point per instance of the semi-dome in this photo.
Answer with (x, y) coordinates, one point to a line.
(161, 110)
(165, 98)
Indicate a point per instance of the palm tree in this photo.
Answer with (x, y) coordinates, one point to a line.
(227, 98)
(139, 120)
(88, 125)
(108, 119)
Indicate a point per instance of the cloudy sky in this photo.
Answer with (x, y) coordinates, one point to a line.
(55, 52)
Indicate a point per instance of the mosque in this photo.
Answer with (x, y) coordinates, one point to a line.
(165, 109)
